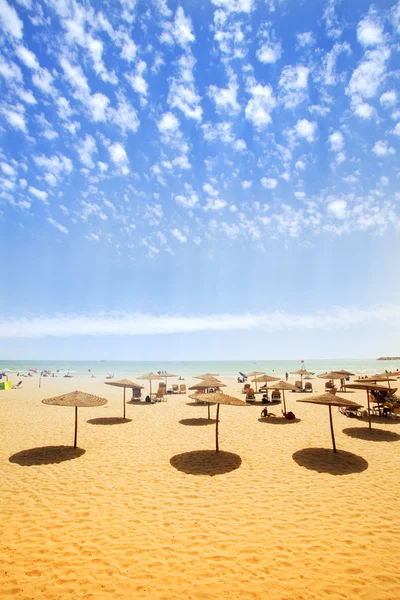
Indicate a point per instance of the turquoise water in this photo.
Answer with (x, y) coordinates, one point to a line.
(191, 368)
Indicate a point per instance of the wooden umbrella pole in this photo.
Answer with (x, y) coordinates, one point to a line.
(124, 402)
(208, 407)
(76, 426)
(284, 402)
(369, 411)
(333, 435)
(216, 430)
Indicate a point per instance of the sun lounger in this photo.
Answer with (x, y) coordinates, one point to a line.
(275, 395)
(308, 386)
(175, 388)
(182, 388)
(18, 386)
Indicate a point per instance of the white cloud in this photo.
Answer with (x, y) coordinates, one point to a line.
(189, 200)
(168, 124)
(118, 154)
(262, 102)
(15, 118)
(388, 99)
(382, 149)
(56, 164)
(57, 225)
(135, 324)
(7, 169)
(368, 76)
(183, 28)
(182, 91)
(27, 57)
(269, 183)
(338, 208)
(269, 53)
(40, 194)
(329, 74)
(43, 79)
(181, 237)
(305, 39)
(370, 30)
(98, 104)
(215, 204)
(225, 98)
(293, 85)
(306, 129)
(246, 184)
(396, 130)
(86, 151)
(9, 70)
(336, 140)
(235, 6)
(12, 24)
(137, 81)
(125, 116)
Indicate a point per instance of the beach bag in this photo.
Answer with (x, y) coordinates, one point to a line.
(289, 415)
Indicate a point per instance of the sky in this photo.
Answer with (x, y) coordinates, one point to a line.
(199, 179)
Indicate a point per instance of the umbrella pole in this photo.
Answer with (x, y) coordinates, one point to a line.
(369, 411)
(76, 426)
(150, 388)
(124, 402)
(333, 435)
(208, 407)
(284, 402)
(216, 431)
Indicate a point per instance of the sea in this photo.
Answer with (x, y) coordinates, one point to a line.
(232, 368)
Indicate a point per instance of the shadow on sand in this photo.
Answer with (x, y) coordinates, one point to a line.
(278, 420)
(206, 462)
(46, 455)
(372, 435)
(197, 422)
(325, 460)
(109, 421)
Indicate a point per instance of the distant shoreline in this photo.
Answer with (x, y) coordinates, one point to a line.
(389, 358)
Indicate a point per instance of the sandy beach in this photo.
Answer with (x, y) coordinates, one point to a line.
(141, 510)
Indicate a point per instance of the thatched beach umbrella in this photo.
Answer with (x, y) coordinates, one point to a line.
(368, 386)
(301, 372)
(345, 373)
(283, 385)
(150, 377)
(198, 398)
(330, 400)
(125, 383)
(220, 398)
(206, 375)
(76, 399)
(266, 379)
(376, 379)
(206, 384)
(331, 375)
(166, 375)
(256, 374)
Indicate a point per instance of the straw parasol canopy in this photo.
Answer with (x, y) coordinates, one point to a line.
(345, 373)
(255, 374)
(365, 385)
(331, 400)
(283, 385)
(377, 378)
(76, 399)
(301, 372)
(207, 375)
(265, 379)
(331, 375)
(166, 375)
(150, 377)
(198, 398)
(220, 398)
(125, 383)
(206, 384)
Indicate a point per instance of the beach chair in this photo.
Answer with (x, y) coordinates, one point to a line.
(250, 397)
(136, 394)
(18, 386)
(275, 395)
(308, 386)
(298, 386)
(160, 394)
(175, 388)
(182, 388)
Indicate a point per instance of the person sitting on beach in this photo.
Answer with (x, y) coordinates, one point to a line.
(264, 399)
(264, 412)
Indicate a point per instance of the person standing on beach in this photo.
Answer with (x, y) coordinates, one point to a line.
(287, 375)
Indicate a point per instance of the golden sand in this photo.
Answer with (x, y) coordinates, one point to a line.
(146, 511)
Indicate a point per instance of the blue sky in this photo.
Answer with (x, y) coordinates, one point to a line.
(199, 179)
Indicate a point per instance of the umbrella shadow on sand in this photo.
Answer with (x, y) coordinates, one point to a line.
(278, 420)
(197, 422)
(372, 435)
(324, 460)
(206, 462)
(109, 421)
(46, 455)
